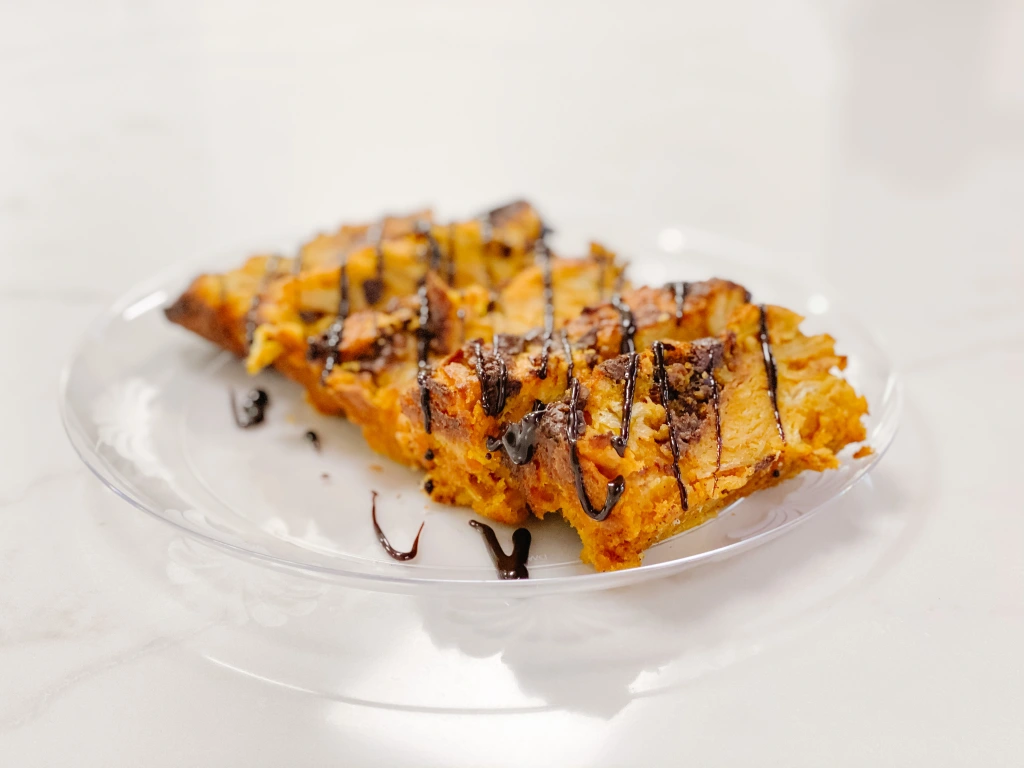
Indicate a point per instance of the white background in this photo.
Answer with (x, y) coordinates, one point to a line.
(876, 145)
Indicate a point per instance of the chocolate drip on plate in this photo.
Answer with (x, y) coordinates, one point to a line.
(619, 441)
(396, 554)
(313, 439)
(665, 390)
(254, 408)
(572, 429)
(511, 566)
(770, 370)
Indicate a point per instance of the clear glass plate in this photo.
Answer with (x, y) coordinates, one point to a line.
(145, 405)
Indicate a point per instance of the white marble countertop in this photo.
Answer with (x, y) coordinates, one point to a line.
(879, 144)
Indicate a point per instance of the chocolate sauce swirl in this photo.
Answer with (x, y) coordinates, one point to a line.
(492, 373)
(627, 325)
(511, 566)
(254, 408)
(542, 253)
(254, 304)
(619, 441)
(337, 329)
(396, 554)
(573, 424)
(665, 390)
(681, 291)
(770, 370)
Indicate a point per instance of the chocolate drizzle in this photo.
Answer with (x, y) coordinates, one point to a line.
(681, 291)
(770, 370)
(451, 253)
(626, 323)
(423, 338)
(511, 566)
(254, 408)
(313, 439)
(520, 437)
(493, 375)
(665, 390)
(573, 425)
(373, 289)
(619, 441)
(423, 333)
(337, 329)
(716, 404)
(396, 554)
(254, 304)
(541, 252)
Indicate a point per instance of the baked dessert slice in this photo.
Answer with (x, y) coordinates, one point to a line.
(710, 420)
(386, 353)
(383, 260)
(489, 399)
(528, 383)
(361, 315)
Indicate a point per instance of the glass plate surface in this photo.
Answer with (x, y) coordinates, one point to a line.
(145, 405)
